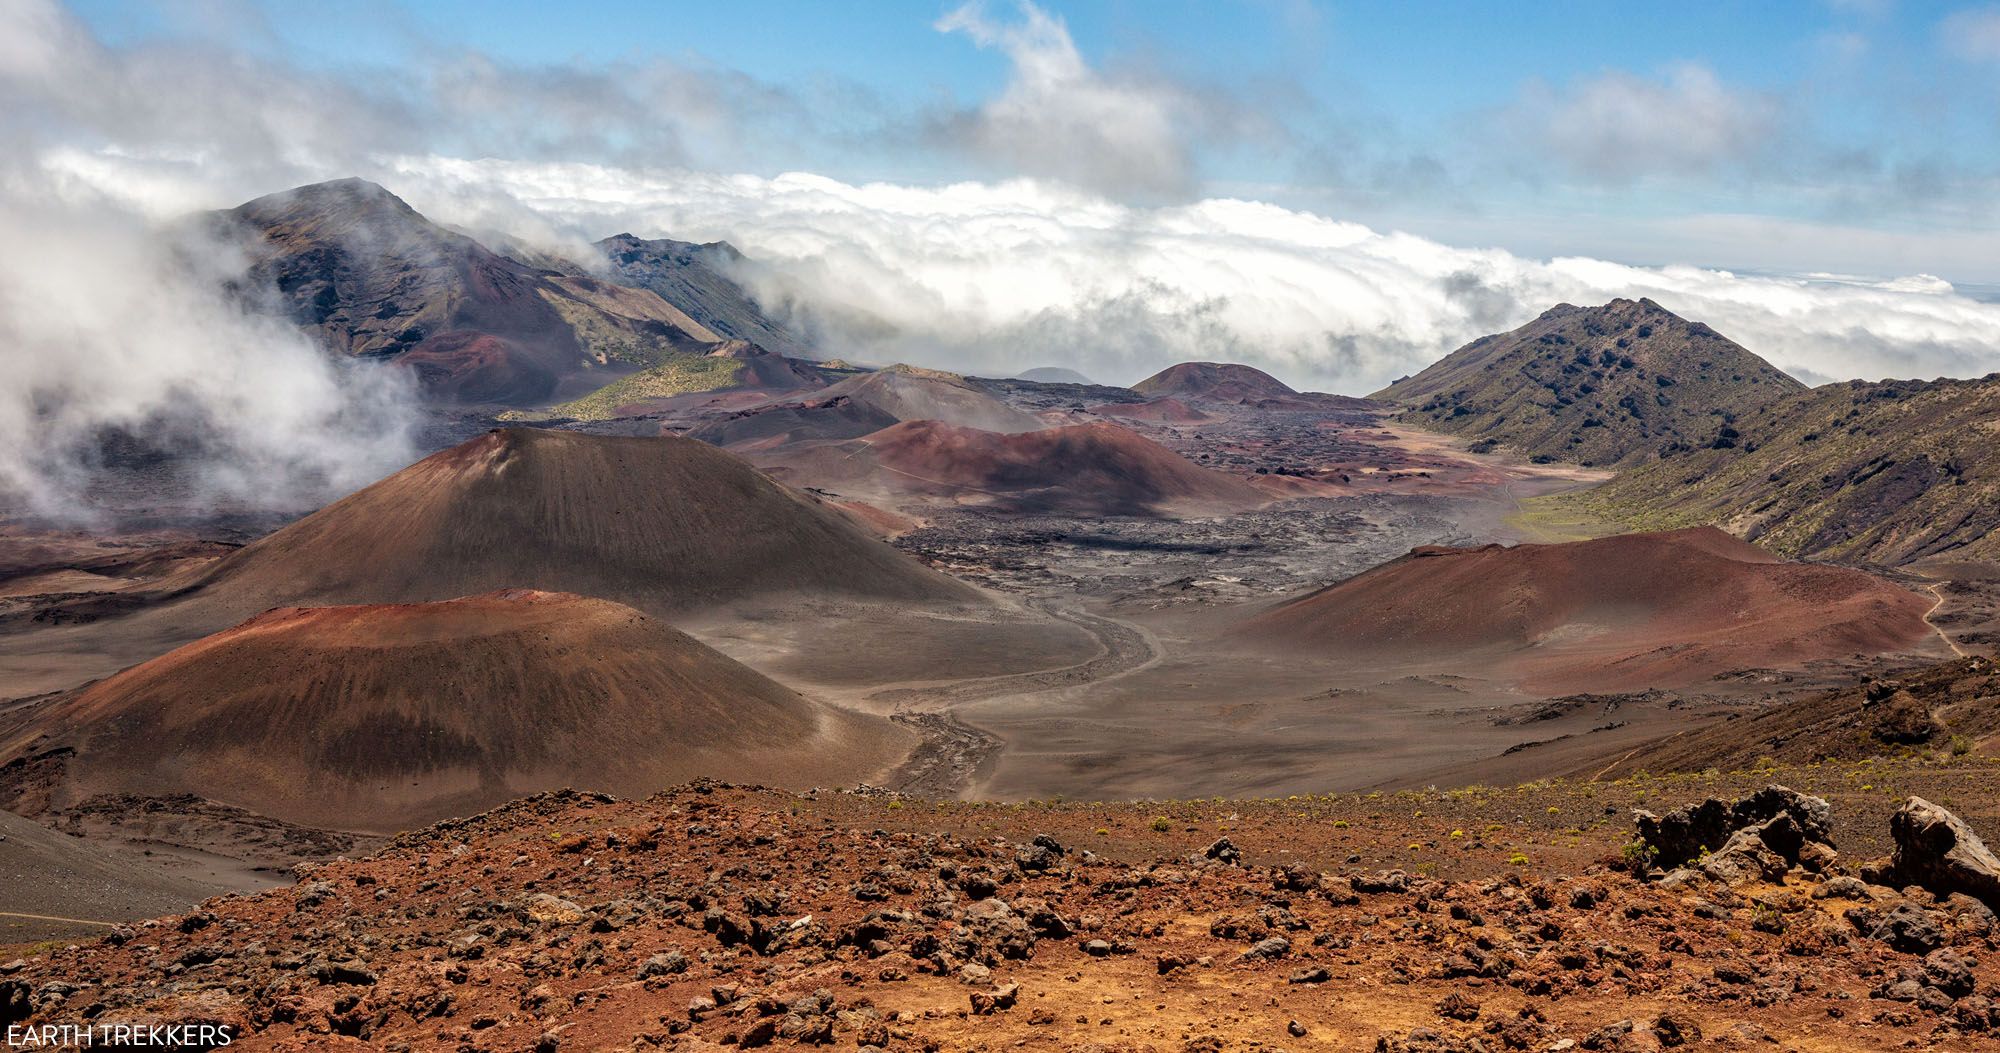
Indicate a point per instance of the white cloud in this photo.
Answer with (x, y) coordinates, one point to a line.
(1973, 33)
(1617, 127)
(1000, 277)
(108, 328)
(112, 328)
(1059, 118)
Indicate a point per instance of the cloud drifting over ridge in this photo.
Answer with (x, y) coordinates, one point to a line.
(117, 335)
(1001, 277)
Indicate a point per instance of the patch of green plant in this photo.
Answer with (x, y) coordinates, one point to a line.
(680, 375)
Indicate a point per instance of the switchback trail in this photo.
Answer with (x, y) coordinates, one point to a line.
(1123, 648)
(1937, 590)
(955, 752)
(53, 917)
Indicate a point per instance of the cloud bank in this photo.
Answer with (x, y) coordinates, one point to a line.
(118, 341)
(117, 338)
(997, 278)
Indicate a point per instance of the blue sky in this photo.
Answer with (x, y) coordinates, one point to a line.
(1546, 128)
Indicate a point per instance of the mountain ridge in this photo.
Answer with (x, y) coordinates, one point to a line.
(1876, 472)
(1599, 386)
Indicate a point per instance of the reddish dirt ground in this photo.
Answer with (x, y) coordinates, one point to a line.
(380, 718)
(712, 917)
(1616, 613)
(1097, 468)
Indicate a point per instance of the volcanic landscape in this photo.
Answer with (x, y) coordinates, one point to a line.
(695, 690)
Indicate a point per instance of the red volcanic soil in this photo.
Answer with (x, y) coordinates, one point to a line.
(1097, 468)
(1161, 410)
(767, 427)
(382, 717)
(1617, 613)
(714, 919)
(477, 367)
(664, 524)
(1214, 381)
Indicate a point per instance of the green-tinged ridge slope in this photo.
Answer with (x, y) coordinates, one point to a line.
(680, 374)
(1887, 472)
(1618, 384)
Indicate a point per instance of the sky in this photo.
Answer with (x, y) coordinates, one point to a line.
(1856, 136)
(1336, 193)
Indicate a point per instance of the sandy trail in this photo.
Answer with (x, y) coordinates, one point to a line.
(53, 917)
(1123, 648)
(1938, 591)
(955, 754)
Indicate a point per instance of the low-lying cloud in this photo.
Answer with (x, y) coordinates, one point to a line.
(118, 340)
(997, 278)
(1618, 127)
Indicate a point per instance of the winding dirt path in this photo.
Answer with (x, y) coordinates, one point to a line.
(1123, 649)
(955, 753)
(1937, 590)
(54, 917)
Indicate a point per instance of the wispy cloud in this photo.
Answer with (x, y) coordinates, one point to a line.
(1131, 133)
(114, 329)
(1973, 33)
(1619, 127)
(1059, 117)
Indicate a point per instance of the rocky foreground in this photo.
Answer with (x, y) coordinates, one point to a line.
(715, 916)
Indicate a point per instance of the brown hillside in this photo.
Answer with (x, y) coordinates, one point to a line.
(1632, 611)
(1097, 468)
(865, 404)
(700, 279)
(772, 426)
(388, 716)
(1888, 472)
(1616, 384)
(1946, 707)
(1163, 410)
(910, 394)
(1213, 382)
(370, 276)
(664, 524)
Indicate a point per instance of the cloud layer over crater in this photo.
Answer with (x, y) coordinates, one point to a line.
(997, 278)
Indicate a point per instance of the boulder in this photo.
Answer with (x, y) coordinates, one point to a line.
(1936, 850)
(1755, 853)
(1784, 820)
(1903, 720)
